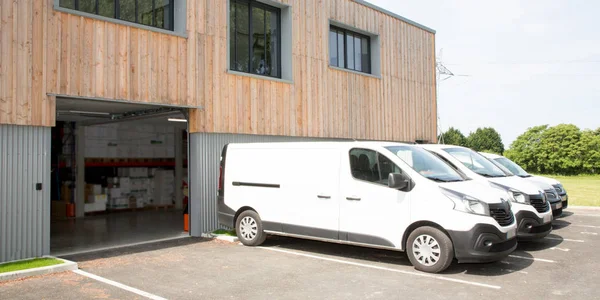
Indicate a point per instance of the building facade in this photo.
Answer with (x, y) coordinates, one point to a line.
(242, 70)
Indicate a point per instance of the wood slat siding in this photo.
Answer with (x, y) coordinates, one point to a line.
(44, 51)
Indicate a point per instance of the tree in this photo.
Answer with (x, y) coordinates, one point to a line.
(453, 136)
(525, 148)
(486, 139)
(559, 150)
(562, 149)
(589, 151)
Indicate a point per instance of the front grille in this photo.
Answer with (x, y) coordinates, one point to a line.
(537, 201)
(501, 247)
(502, 214)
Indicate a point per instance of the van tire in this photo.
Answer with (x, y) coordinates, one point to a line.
(444, 247)
(247, 223)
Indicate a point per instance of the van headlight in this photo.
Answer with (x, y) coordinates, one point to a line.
(559, 188)
(513, 195)
(467, 203)
(518, 197)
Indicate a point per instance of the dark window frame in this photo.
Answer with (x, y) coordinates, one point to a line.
(233, 39)
(346, 33)
(117, 13)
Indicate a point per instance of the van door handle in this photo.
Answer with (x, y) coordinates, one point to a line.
(323, 197)
(353, 198)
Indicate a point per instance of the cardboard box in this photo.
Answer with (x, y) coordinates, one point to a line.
(59, 209)
(96, 199)
(125, 185)
(65, 192)
(114, 193)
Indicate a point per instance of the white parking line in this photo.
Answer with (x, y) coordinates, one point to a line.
(585, 215)
(532, 258)
(119, 285)
(561, 249)
(589, 233)
(384, 268)
(587, 226)
(566, 240)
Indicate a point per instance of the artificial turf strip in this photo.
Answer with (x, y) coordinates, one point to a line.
(225, 232)
(28, 264)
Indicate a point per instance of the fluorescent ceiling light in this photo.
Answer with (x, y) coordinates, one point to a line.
(177, 120)
(89, 112)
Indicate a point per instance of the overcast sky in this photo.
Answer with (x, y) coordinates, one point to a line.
(528, 62)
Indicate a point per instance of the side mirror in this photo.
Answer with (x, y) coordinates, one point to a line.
(398, 181)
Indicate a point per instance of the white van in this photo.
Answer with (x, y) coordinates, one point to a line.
(373, 194)
(530, 205)
(517, 170)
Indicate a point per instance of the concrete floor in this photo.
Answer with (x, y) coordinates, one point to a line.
(112, 230)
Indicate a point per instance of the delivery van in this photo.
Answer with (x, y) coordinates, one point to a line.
(557, 208)
(529, 202)
(373, 194)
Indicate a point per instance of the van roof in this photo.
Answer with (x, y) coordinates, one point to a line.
(438, 146)
(332, 144)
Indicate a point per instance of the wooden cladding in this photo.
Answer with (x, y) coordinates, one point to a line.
(49, 52)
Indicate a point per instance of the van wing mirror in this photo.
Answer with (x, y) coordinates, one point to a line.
(398, 181)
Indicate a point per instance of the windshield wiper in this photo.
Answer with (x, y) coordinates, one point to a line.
(525, 176)
(438, 179)
(490, 175)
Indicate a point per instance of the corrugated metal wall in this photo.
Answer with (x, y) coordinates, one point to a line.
(205, 151)
(24, 211)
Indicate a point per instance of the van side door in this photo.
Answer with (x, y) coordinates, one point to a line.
(371, 212)
(310, 190)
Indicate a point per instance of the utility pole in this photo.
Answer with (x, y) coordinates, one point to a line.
(442, 74)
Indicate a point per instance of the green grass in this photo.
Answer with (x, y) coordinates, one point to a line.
(225, 232)
(29, 264)
(583, 190)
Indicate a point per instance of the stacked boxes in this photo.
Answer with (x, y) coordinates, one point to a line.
(141, 187)
(95, 198)
(164, 187)
(117, 199)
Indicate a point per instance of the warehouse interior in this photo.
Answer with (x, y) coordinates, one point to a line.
(118, 174)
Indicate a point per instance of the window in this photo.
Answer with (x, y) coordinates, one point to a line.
(349, 50)
(255, 38)
(155, 13)
(369, 165)
(476, 162)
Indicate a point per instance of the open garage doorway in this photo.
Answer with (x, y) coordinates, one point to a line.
(119, 174)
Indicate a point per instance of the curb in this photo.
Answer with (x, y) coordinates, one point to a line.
(226, 238)
(65, 266)
(584, 207)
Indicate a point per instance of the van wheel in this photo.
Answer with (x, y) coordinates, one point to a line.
(429, 249)
(249, 228)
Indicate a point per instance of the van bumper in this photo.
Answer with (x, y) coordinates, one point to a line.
(483, 243)
(531, 227)
(565, 200)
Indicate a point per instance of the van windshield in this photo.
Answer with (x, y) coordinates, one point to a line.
(476, 162)
(512, 167)
(425, 163)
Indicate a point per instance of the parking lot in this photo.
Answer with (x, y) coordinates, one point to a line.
(564, 265)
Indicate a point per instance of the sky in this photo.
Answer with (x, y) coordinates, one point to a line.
(518, 63)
